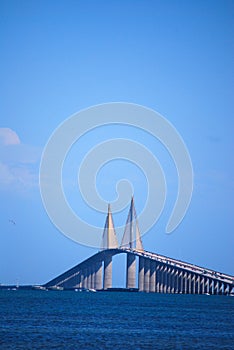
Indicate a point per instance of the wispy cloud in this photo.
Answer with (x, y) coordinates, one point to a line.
(18, 162)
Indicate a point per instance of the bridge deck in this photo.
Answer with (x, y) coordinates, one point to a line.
(181, 265)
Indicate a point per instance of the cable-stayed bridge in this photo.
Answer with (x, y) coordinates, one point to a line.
(145, 271)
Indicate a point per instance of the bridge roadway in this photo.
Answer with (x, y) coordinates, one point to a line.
(156, 273)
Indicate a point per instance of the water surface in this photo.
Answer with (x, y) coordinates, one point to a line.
(114, 320)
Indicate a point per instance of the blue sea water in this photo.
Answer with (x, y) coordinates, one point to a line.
(114, 320)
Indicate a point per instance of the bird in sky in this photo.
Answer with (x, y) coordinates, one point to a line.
(12, 222)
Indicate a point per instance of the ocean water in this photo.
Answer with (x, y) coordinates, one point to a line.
(114, 320)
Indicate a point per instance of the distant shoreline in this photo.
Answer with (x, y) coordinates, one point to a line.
(109, 290)
(41, 287)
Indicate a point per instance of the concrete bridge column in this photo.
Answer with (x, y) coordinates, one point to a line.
(141, 274)
(216, 287)
(206, 286)
(81, 279)
(202, 284)
(98, 276)
(173, 280)
(199, 287)
(164, 279)
(131, 271)
(180, 282)
(197, 284)
(89, 277)
(226, 289)
(193, 283)
(85, 278)
(93, 276)
(184, 282)
(146, 275)
(176, 281)
(107, 272)
(169, 279)
(189, 290)
(158, 278)
(152, 286)
(210, 286)
(220, 292)
(220, 288)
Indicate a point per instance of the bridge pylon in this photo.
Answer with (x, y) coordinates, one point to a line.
(132, 237)
(109, 238)
(109, 241)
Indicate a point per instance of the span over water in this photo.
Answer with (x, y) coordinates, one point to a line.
(145, 271)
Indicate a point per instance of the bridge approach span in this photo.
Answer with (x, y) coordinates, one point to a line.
(146, 271)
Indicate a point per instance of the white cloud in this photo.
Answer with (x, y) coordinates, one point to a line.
(8, 137)
(18, 162)
(17, 177)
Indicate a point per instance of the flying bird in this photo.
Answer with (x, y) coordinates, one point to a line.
(12, 222)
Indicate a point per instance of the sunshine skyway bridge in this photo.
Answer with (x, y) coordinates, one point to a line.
(145, 271)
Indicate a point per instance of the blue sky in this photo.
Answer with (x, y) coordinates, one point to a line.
(58, 57)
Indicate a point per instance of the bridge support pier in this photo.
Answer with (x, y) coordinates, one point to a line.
(107, 272)
(93, 272)
(217, 287)
(131, 271)
(89, 277)
(176, 281)
(165, 279)
(152, 285)
(162, 279)
(180, 282)
(220, 291)
(172, 281)
(141, 274)
(81, 279)
(202, 285)
(206, 286)
(189, 276)
(210, 286)
(85, 278)
(158, 276)
(98, 276)
(184, 282)
(226, 288)
(169, 270)
(146, 275)
(193, 283)
(197, 284)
